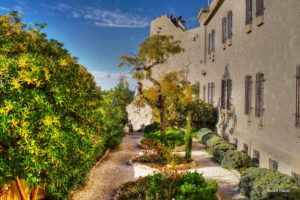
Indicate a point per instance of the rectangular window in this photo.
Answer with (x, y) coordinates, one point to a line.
(224, 27)
(248, 94)
(229, 91)
(229, 23)
(297, 115)
(223, 94)
(255, 158)
(211, 92)
(209, 43)
(259, 93)
(204, 91)
(249, 12)
(208, 92)
(296, 177)
(260, 7)
(245, 148)
(213, 43)
(273, 164)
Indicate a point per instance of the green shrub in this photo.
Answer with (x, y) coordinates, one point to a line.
(190, 186)
(258, 183)
(152, 128)
(203, 115)
(204, 138)
(55, 121)
(188, 138)
(234, 159)
(172, 138)
(220, 150)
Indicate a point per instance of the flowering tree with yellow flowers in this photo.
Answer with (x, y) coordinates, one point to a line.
(52, 128)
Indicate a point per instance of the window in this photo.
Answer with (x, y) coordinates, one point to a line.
(273, 164)
(209, 43)
(297, 115)
(248, 94)
(224, 27)
(296, 177)
(255, 158)
(211, 92)
(245, 148)
(226, 89)
(259, 103)
(213, 36)
(229, 20)
(260, 7)
(204, 91)
(249, 12)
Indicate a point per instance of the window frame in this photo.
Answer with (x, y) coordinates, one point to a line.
(259, 94)
(249, 12)
(213, 40)
(260, 7)
(224, 29)
(248, 95)
(229, 24)
(273, 164)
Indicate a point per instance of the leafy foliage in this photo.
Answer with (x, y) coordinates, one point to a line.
(258, 183)
(188, 138)
(154, 51)
(54, 120)
(189, 186)
(234, 159)
(172, 138)
(152, 128)
(203, 114)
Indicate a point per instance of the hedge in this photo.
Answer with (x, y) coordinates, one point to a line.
(221, 149)
(266, 184)
(234, 159)
(172, 138)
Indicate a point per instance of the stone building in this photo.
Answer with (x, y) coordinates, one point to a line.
(246, 57)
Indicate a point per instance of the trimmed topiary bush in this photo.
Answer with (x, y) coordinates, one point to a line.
(266, 184)
(234, 159)
(220, 150)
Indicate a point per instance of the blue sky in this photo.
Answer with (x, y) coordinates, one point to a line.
(98, 32)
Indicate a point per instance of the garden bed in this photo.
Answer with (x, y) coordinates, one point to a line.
(190, 185)
(156, 162)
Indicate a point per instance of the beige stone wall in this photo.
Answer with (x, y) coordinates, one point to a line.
(273, 49)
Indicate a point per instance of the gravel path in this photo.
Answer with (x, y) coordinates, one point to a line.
(228, 181)
(108, 175)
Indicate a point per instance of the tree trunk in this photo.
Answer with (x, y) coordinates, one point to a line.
(34, 193)
(163, 120)
(20, 189)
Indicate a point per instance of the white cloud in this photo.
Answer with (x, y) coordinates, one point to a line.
(4, 9)
(108, 80)
(102, 17)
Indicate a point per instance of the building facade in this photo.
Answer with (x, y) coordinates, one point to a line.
(246, 57)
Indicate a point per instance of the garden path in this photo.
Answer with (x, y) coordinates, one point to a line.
(228, 181)
(108, 174)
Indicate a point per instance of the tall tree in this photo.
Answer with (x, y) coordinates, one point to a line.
(153, 52)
